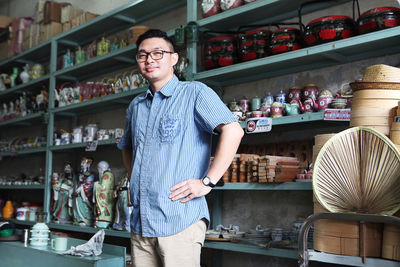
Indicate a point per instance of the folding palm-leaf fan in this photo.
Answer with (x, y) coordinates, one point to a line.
(358, 170)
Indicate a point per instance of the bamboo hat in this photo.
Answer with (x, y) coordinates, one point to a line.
(379, 76)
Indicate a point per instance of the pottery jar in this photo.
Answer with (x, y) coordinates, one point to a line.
(378, 19)
(329, 28)
(244, 104)
(308, 105)
(229, 4)
(257, 114)
(276, 110)
(255, 103)
(280, 97)
(210, 7)
(324, 100)
(294, 94)
(310, 90)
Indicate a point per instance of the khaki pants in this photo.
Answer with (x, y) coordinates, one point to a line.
(180, 250)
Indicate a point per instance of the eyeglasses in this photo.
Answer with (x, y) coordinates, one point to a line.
(156, 55)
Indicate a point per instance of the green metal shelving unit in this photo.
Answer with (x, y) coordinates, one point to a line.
(261, 11)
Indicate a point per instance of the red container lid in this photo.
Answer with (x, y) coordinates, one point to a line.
(378, 10)
(326, 18)
(286, 29)
(220, 38)
(256, 31)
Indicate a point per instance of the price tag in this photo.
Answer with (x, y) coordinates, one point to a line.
(331, 114)
(258, 125)
(91, 146)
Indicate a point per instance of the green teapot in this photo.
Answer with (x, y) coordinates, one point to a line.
(293, 108)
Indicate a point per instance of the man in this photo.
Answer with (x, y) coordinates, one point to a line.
(166, 150)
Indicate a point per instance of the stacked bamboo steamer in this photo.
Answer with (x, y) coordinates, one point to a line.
(375, 99)
(342, 237)
(391, 241)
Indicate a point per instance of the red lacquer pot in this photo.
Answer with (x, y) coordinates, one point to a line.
(327, 29)
(220, 51)
(378, 19)
(284, 40)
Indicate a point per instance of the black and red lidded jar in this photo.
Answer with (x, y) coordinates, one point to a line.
(378, 19)
(284, 40)
(329, 28)
(254, 44)
(220, 51)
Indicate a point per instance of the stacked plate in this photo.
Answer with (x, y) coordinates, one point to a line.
(339, 103)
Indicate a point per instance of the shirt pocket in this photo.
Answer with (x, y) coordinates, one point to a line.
(170, 128)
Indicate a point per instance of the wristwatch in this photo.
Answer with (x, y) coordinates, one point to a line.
(207, 182)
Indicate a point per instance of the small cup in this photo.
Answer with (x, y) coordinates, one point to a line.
(59, 243)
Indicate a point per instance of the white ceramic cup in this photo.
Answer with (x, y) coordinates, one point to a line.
(59, 243)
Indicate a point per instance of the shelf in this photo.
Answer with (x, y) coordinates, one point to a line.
(23, 187)
(108, 63)
(99, 103)
(19, 222)
(37, 54)
(23, 152)
(349, 260)
(12, 92)
(62, 148)
(369, 45)
(262, 11)
(27, 120)
(252, 249)
(116, 20)
(306, 185)
(85, 229)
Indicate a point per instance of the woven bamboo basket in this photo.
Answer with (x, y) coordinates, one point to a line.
(391, 241)
(374, 108)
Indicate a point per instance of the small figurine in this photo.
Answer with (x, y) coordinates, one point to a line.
(68, 60)
(2, 84)
(103, 196)
(25, 77)
(122, 43)
(14, 76)
(91, 50)
(37, 71)
(62, 189)
(114, 45)
(22, 103)
(80, 56)
(82, 197)
(11, 110)
(123, 208)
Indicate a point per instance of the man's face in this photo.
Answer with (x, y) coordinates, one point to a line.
(156, 70)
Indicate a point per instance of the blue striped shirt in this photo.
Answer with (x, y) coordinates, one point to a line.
(170, 135)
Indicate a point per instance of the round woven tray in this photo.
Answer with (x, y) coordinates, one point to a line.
(374, 85)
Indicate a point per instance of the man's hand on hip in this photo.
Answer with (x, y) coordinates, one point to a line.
(189, 189)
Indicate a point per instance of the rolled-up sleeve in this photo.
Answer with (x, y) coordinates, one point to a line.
(126, 140)
(210, 111)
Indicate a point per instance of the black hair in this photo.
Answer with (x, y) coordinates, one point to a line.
(155, 33)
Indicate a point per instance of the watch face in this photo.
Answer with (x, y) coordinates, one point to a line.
(206, 180)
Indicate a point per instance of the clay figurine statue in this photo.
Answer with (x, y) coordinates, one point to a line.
(123, 208)
(62, 189)
(14, 76)
(103, 196)
(24, 75)
(82, 198)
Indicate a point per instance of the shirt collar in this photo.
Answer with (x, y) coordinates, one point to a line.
(166, 91)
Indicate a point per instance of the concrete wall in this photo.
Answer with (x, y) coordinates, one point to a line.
(246, 209)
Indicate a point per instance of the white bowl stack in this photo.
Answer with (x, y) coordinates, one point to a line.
(39, 235)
